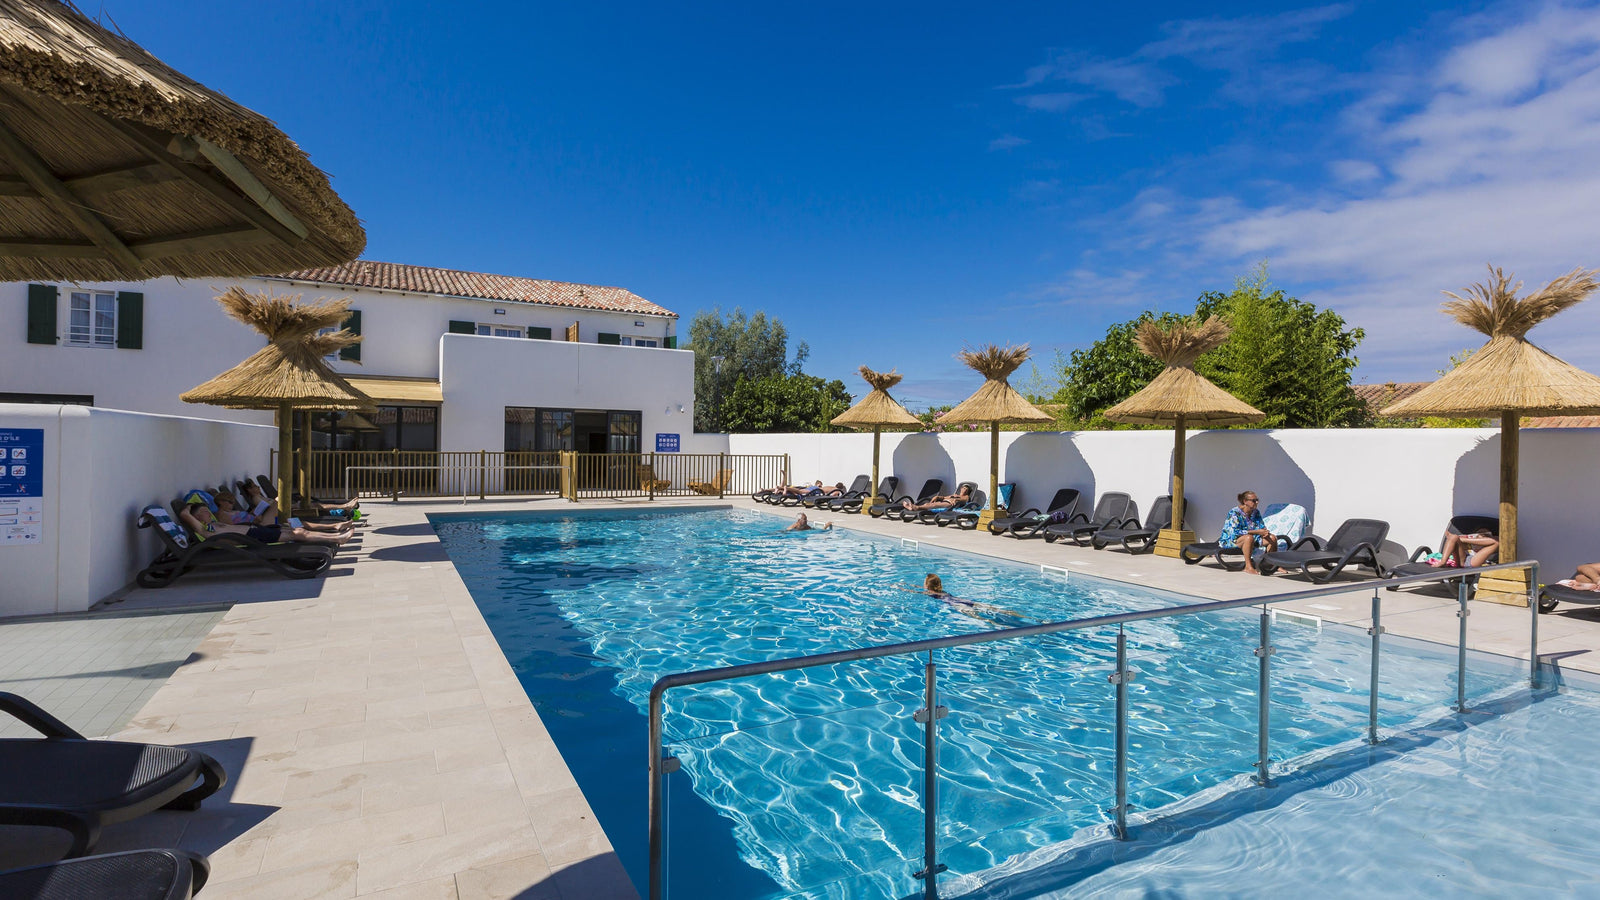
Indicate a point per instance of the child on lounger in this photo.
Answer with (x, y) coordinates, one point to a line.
(1467, 549)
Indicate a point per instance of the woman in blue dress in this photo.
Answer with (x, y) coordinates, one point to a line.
(1245, 530)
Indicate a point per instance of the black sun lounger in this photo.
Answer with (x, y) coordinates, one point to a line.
(1229, 557)
(933, 487)
(1458, 525)
(927, 516)
(1357, 542)
(1113, 507)
(144, 874)
(1134, 537)
(858, 487)
(64, 780)
(886, 488)
(1031, 521)
(1552, 594)
(181, 553)
(964, 516)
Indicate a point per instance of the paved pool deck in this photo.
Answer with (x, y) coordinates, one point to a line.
(379, 745)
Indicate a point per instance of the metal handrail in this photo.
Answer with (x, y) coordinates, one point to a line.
(661, 766)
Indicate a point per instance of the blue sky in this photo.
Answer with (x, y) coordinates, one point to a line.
(898, 181)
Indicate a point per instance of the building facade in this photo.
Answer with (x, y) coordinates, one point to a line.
(453, 360)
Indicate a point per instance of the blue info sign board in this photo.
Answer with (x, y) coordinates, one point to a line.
(21, 486)
(666, 443)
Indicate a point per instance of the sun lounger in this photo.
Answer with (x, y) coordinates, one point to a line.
(1458, 525)
(145, 874)
(64, 780)
(716, 485)
(820, 500)
(1031, 521)
(1287, 521)
(1136, 538)
(927, 516)
(931, 488)
(1357, 542)
(182, 552)
(966, 515)
(886, 488)
(1113, 507)
(648, 482)
(1552, 594)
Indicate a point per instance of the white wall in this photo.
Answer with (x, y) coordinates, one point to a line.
(1415, 479)
(101, 467)
(481, 376)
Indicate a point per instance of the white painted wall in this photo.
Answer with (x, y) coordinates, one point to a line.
(101, 467)
(481, 376)
(1413, 478)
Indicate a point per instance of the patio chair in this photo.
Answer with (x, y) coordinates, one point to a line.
(648, 481)
(858, 487)
(886, 488)
(1458, 525)
(1113, 507)
(1136, 538)
(930, 489)
(716, 485)
(927, 516)
(1031, 521)
(1357, 542)
(145, 874)
(64, 780)
(966, 515)
(1552, 594)
(182, 553)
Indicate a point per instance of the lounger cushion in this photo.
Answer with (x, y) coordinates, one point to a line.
(170, 528)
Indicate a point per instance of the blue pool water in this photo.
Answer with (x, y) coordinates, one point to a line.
(809, 783)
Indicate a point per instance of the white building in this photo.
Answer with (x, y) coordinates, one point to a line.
(455, 360)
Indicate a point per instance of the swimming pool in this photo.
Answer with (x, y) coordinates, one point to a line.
(809, 783)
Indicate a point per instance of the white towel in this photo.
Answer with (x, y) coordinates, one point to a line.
(1287, 521)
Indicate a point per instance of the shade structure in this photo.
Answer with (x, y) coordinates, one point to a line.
(289, 373)
(995, 403)
(877, 410)
(1509, 377)
(1180, 397)
(114, 166)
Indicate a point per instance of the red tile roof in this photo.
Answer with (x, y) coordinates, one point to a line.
(1377, 396)
(477, 285)
(1561, 422)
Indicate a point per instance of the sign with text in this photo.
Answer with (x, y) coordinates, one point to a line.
(21, 486)
(666, 443)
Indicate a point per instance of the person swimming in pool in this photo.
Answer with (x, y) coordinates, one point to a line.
(801, 523)
(933, 586)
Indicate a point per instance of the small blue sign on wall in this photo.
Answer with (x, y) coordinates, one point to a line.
(666, 443)
(21, 486)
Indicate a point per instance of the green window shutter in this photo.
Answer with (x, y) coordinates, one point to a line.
(538, 333)
(670, 342)
(130, 320)
(459, 327)
(352, 324)
(42, 313)
(606, 338)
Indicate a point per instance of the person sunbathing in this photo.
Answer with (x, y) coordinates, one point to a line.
(254, 497)
(1467, 549)
(962, 495)
(1587, 578)
(228, 512)
(197, 516)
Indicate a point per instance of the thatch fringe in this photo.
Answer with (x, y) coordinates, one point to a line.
(290, 369)
(1181, 343)
(994, 362)
(877, 409)
(880, 381)
(1494, 309)
(995, 400)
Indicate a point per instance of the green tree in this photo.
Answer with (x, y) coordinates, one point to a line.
(732, 348)
(1286, 357)
(791, 402)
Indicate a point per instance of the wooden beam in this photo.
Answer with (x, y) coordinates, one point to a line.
(120, 179)
(37, 174)
(54, 249)
(229, 165)
(210, 241)
(200, 178)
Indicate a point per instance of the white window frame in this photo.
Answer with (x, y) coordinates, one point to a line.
(90, 336)
(498, 330)
(629, 341)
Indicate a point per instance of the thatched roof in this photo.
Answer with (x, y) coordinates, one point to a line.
(290, 369)
(114, 166)
(1179, 390)
(996, 400)
(877, 409)
(1510, 374)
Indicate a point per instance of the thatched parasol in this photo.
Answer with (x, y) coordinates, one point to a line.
(877, 410)
(1509, 376)
(114, 166)
(995, 403)
(289, 373)
(1180, 396)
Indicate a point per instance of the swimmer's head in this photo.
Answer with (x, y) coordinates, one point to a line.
(800, 519)
(932, 584)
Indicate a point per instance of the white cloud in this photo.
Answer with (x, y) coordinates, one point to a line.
(1050, 102)
(1007, 142)
(1354, 170)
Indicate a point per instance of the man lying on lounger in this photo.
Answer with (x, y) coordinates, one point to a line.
(197, 516)
(962, 495)
(254, 497)
(266, 513)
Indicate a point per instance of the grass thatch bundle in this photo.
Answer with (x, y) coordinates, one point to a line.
(996, 400)
(185, 180)
(291, 368)
(1509, 373)
(1179, 390)
(877, 409)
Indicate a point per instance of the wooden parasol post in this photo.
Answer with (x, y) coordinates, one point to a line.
(1507, 586)
(285, 458)
(1172, 539)
(989, 511)
(303, 476)
(877, 440)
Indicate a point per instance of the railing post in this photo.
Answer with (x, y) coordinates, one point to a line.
(483, 474)
(722, 483)
(1533, 629)
(928, 717)
(1462, 590)
(394, 474)
(1264, 699)
(1120, 678)
(661, 766)
(1372, 698)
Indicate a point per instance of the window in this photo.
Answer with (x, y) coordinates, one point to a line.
(92, 319)
(623, 432)
(386, 428)
(640, 342)
(500, 331)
